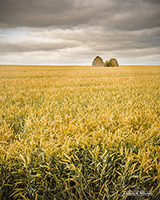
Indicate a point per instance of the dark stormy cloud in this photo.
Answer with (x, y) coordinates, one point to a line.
(75, 31)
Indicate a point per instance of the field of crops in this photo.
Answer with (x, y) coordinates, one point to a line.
(79, 133)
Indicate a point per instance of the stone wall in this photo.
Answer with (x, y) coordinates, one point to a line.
(114, 62)
(98, 62)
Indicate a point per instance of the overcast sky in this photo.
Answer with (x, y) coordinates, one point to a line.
(73, 32)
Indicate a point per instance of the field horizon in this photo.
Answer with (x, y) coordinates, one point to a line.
(67, 65)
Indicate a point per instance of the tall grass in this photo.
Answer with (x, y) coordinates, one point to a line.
(79, 132)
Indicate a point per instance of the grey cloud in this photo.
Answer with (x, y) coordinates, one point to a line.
(32, 46)
(47, 31)
(153, 1)
(122, 14)
(99, 39)
(31, 13)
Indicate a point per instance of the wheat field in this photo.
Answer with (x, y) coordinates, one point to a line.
(77, 132)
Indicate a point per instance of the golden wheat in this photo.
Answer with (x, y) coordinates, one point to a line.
(79, 132)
